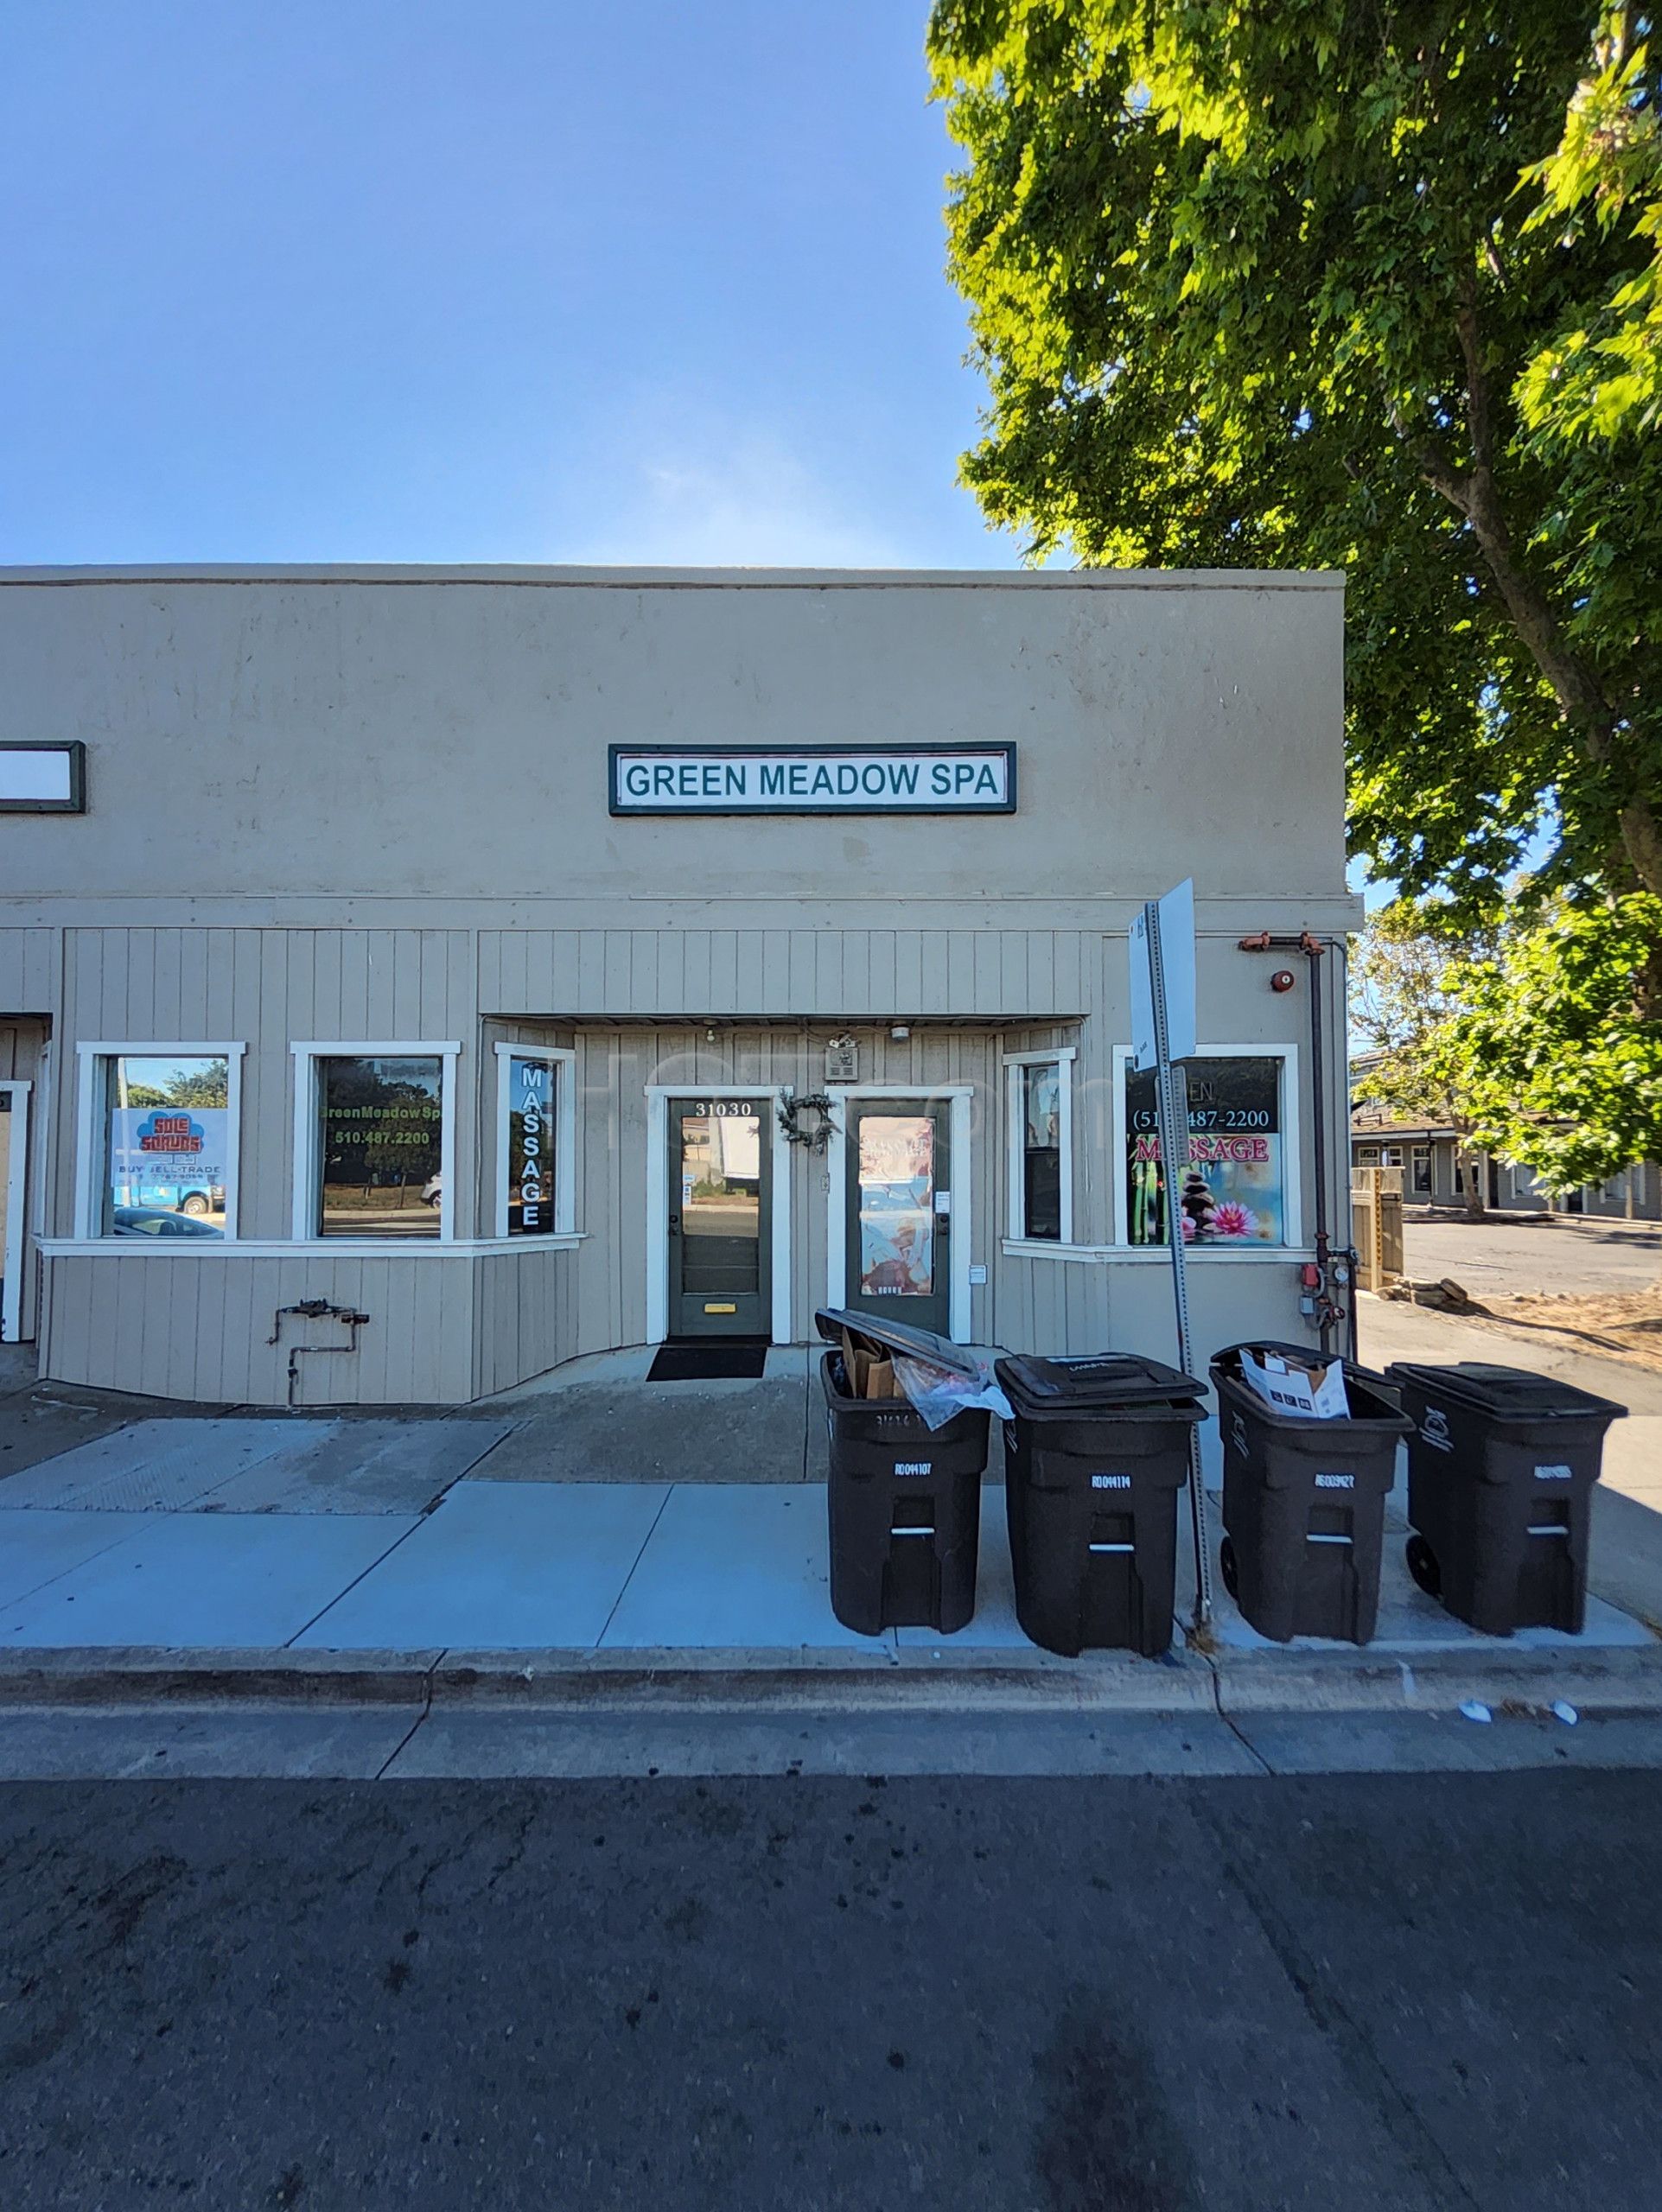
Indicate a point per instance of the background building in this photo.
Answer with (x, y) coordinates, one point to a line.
(465, 951)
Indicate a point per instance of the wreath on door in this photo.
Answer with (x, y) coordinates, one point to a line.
(792, 1105)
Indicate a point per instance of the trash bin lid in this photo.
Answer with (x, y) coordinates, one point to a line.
(1504, 1393)
(896, 1337)
(1084, 1380)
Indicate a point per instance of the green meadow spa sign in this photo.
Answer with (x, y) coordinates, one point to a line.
(814, 779)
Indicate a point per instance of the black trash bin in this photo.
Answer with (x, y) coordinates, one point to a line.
(1501, 1465)
(1304, 1502)
(1093, 1461)
(904, 1505)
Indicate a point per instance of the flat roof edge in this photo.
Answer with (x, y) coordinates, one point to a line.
(634, 579)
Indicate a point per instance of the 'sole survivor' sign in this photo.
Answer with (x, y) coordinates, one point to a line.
(814, 779)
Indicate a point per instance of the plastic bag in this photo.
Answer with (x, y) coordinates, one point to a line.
(937, 1394)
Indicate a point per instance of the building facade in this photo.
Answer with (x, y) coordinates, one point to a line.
(532, 961)
(1434, 1174)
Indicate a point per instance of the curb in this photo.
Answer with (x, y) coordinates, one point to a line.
(1604, 1681)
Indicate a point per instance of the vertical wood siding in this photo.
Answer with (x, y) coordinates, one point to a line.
(455, 1326)
(23, 1059)
(197, 1328)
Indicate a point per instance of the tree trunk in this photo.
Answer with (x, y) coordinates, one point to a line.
(1472, 1165)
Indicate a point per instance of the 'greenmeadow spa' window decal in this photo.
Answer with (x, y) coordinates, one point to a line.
(1232, 1189)
(379, 1145)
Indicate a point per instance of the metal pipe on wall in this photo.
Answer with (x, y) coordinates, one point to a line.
(1328, 1312)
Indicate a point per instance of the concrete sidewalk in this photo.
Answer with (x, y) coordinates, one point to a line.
(383, 1562)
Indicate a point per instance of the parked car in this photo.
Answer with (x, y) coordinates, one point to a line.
(156, 1221)
(177, 1198)
(433, 1190)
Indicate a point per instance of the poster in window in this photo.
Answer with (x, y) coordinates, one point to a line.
(897, 1205)
(531, 1148)
(1233, 1191)
(168, 1139)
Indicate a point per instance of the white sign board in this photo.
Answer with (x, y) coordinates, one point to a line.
(814, 779)
(168, 1147)
(42, 779)
(1176, 912)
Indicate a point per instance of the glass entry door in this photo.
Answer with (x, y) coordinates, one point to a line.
(899, 1212)
(719, 1191)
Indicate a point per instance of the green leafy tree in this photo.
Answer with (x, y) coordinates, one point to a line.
(1544, 1047)
(204, 1086)
(1404, 994)
(1345, 283)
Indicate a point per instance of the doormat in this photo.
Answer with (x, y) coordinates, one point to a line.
(731, 1359)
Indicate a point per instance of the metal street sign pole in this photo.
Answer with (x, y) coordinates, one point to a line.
(1171, 1100)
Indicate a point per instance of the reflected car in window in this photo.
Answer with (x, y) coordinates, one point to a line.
(154, 1221)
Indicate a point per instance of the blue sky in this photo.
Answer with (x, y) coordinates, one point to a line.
(515, 280)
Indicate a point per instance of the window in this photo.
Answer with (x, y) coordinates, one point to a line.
(536, 1147)
(1234, 1194)
(1421, 1159)
(1390, 1156)
(1368, 1156)
(373, 1138)
(1041, 1146)
(158, 1153)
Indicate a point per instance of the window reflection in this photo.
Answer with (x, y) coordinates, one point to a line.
(1042, 1150)
(380, 1125)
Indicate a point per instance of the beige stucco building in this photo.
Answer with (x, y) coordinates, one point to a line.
(456, 948)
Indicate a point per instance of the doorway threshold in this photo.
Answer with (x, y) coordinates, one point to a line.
(721, 1359)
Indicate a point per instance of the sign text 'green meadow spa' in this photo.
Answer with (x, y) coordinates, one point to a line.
(814, 779)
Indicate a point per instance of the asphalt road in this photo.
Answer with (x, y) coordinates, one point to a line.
(1507, 1255)
(1405, 1993)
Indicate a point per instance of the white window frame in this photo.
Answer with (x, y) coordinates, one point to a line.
(1292, 1194)
(308, 1210)
(1061, 1057)
(562, 1059)
(92, 1134)
(1416, 1153)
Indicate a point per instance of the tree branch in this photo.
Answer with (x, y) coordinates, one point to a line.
(1475, 495)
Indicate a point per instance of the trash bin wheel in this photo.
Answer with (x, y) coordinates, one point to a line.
(1423, 1566)
(1228, 1568)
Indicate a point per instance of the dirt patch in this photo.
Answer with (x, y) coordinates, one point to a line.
(1625, 1326)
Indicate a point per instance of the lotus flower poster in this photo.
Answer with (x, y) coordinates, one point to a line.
(1232, 1185)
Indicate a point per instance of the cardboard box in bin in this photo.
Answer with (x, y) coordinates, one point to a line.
(869, 1370)
(1312, 1390)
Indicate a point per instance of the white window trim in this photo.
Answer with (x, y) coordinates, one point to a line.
(308, 1201)
(562, 1059)
(1292, 1194)
(1060, 1057)
(91, 1135)
(659, 1096)
(11, 1255)
(272, 1248)
(960, 1097)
